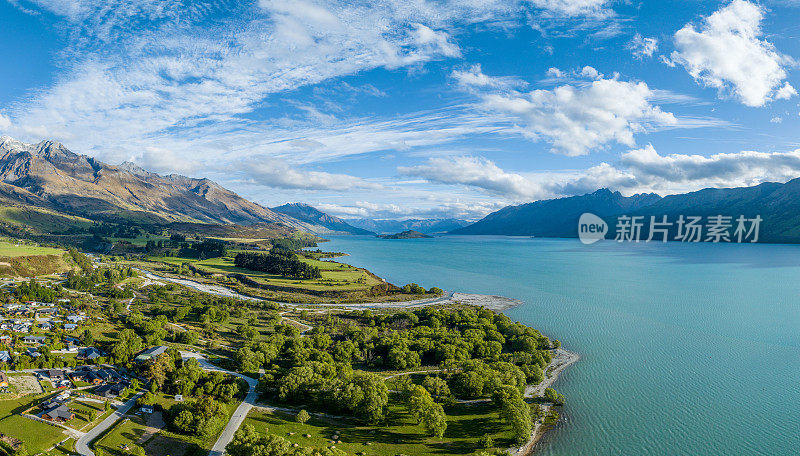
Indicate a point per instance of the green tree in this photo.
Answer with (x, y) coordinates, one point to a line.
(486, 441)
(550, 395)
(427, 412)
(514, 411)
(302, 416)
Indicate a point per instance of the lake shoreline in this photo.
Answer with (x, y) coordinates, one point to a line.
(562, 359)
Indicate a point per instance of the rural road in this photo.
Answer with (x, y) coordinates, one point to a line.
(82, 444)
(242, 410)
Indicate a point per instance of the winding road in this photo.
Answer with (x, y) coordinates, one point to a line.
(241, 411)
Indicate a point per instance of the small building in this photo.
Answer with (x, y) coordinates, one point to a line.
(151, 353)
(58, 414)
(5, 339)
(5, 356)
(46, 326)
(89, 353)
(70, 327)
(146, 409)
(34, 339)
(56, 375)
(179, 398)
(109, 391)
(86, 377)
(75, 318)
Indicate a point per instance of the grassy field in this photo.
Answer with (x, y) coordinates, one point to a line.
(164, 443)
(36, 435)
(40, 220)
(125, 432)
(335, 276)
(465, 425)
(12, 248)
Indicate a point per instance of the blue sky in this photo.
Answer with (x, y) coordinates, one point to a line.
(413, 108)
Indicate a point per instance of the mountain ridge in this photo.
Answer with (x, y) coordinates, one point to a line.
(311, 215)
(777, 203)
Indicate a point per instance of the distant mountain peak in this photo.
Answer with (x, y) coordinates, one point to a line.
(134, 169)
(309, 214)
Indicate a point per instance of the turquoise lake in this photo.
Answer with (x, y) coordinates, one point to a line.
(687, 349)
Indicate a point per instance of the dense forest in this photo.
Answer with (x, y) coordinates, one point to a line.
(279, 261)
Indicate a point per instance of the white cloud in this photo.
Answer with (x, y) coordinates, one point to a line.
(5, 122)
(464, 210)
(641, 170)
(475, 172)
(576, 119)
(680, 172)
(475, 78)
(642, 47)
(573, 8)
(776, 119)
(727, 52)
(275, 173)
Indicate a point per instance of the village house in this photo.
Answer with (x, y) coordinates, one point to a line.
(111, 390)
(56, 375)
(5, 356)
(89, 353)
(86, 377)
(5, 339)
(34, 339)
(151, 353)
(58, 414)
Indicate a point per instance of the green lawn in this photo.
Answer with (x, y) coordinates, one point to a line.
(82, 412)
(36, 435)
(465, 425)
(125, 432)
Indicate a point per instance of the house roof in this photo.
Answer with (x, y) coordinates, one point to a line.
(152, 352)
(60, 411)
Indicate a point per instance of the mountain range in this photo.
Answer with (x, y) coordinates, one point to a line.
(50, 177)
(556, 217)
(777, 204)
(327, 224)
(427, 226)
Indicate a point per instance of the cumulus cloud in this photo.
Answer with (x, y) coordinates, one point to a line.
(636, 171)
(577, 119)
(678, 172)
(642, 47)
(465, 210)
(475, 172)
(275, 173)
(727, 52)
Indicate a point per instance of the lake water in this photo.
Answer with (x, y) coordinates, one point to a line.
(687, 349)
